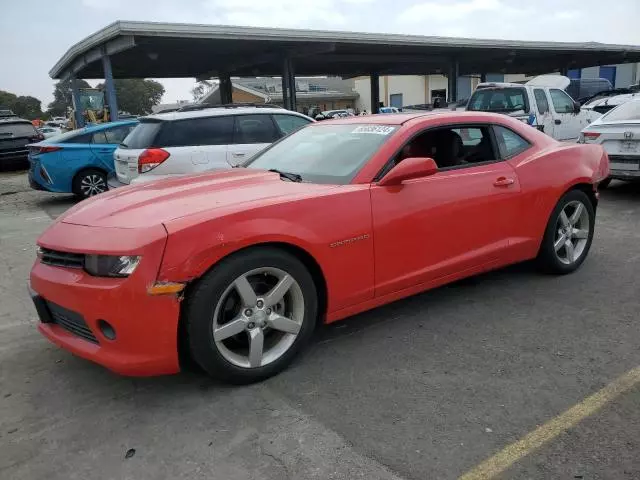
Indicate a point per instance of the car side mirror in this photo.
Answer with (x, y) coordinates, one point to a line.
(407, 169)
(576, 107)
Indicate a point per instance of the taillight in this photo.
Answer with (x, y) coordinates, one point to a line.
(589, 136)
(47, 149)
(151, 158)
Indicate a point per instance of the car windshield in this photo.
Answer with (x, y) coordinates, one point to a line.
(626, 111)
(330, 154)
(499, 100)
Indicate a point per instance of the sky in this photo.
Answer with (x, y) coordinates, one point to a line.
(35, 34)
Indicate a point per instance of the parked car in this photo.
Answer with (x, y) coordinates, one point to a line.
(15, 134)
(388, 110)
(605, 103)
(48, 132)
(618, 131)
(207, 138)
(581, 89)
(604, 94)
(78, 161)
(235, 268)
(329, 114)
(549, 108)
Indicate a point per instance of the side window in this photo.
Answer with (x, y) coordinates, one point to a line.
(289, 123)
(510, 143)
(562, 103)
(117, 135)
(452, 147)
(99, 137)
(254, 129)
(196, 131)
(541, 100)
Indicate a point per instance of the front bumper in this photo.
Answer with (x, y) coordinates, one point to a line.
(146, 326)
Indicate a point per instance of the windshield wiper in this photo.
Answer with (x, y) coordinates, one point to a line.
(294, 177)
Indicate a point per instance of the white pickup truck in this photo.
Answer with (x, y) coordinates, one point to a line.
(541, 102)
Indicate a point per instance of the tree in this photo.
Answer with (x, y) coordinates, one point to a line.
(202, 87)
(23, 106)
(62, 97)
(137, 95)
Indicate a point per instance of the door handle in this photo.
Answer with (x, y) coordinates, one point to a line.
(238, 154)
(503, 182)
(105, 150)
(557, 121)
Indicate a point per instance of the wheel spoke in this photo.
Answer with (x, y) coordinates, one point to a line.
(568, 246)
(245, 290)
(277, 292)
(575, 216)
(256, 343)
(229, 329)
(284, 324)
(560, 242)
(564, 219)
(577, 233)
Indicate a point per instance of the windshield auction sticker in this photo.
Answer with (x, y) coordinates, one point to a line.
(375, 129)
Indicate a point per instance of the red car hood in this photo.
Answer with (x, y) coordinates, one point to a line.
(160, 202)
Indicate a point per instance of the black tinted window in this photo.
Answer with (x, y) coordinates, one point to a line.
(541, 100)
(117, 135)
(509, 142)
(289, 123)
(196, 131)
(24, 129)
(99, 137)
(254, 129)
(143, 135)
(84, 138)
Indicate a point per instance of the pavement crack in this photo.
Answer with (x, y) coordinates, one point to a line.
(276, 459)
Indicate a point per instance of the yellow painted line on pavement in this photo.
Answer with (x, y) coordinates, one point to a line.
(532, 441)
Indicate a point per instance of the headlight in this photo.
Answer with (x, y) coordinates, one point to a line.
(111, 265)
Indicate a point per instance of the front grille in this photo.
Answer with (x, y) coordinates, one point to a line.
(61, 259)
(71, 321)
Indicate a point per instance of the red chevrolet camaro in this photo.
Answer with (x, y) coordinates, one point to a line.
(235, 269)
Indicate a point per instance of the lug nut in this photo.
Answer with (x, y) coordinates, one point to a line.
(251, 325)
(248, 312)
(260, 303)
(268, 311)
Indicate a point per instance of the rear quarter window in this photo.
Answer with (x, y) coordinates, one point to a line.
(143, 135)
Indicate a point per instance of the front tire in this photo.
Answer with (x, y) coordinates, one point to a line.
(248, 317)
(568, 235)
(89, 182)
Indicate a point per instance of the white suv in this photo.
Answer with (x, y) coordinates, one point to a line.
(199, 139)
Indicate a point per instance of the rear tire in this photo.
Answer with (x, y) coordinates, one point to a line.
(89, 182)
(569, 233)
(259, 329)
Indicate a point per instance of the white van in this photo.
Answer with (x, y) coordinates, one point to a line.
(542, 102)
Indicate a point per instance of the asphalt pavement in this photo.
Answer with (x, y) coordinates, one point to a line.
(425, 388)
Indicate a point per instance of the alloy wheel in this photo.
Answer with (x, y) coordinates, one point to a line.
(572, 232)
(258, 317)
(92, 184)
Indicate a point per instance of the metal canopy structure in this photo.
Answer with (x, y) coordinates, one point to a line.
(166, 50)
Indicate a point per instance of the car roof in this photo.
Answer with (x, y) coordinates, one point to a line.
(218, 111)
(402, 118)
(13, 120)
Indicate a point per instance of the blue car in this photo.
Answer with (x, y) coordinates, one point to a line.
(79, 161)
